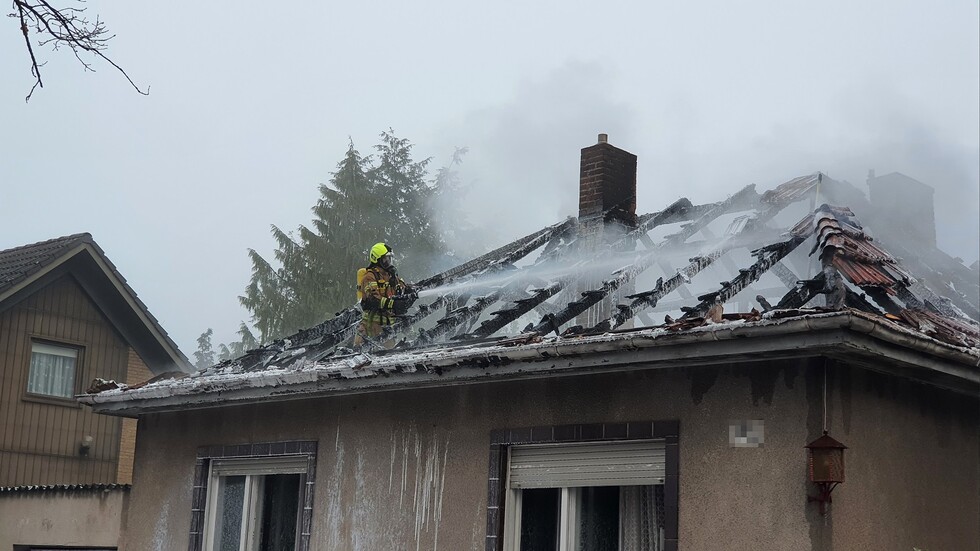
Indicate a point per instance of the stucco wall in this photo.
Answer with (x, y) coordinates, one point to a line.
(76, 518)
(407, 469)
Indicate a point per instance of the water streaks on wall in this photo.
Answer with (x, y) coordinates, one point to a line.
(423, 467)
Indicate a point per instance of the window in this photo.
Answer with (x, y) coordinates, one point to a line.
(52, 371)
(586, 497)
(254, 504)
(254, 497)
(608, 486)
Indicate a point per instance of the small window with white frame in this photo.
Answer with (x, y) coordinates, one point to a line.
(585, 497)
(255, 503)
(53, 369)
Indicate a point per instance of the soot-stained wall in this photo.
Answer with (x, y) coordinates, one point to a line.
(408, 469)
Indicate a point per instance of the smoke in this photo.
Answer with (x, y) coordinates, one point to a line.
(521, 172)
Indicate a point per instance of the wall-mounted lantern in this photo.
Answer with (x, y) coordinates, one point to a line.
(85, 446)
(826, 468)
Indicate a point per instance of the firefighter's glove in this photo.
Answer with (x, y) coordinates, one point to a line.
(371, 304)
(402, 304)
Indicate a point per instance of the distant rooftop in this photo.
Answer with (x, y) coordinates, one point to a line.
(26, 268)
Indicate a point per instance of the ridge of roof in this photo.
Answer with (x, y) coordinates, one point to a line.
(19, 263)
(69, 237)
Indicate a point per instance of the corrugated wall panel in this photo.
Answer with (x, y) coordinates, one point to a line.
(39, 439)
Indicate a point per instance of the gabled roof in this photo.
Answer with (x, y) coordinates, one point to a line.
(26, 269)
(19, 263)
(868, 290)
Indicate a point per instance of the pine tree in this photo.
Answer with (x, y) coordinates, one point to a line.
(335, 244)
(235, 349)
(204, 356)
(246, 341)
(404, 198)
(224, 353)
(367, 200)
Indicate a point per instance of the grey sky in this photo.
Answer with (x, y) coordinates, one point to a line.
(251, 107)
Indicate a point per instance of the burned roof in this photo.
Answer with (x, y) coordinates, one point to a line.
(25, 269)
(508, 306)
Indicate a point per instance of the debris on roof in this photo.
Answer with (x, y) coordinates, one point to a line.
(942, 328)
(100, 384)
(855, 254)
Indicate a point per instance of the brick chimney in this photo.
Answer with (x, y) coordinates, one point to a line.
(607, 187)
(606, 209)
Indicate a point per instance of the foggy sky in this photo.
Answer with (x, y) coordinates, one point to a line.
(250, 109)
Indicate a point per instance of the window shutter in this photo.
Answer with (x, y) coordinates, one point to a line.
(53, 350)
(286, 464)
(593, 464)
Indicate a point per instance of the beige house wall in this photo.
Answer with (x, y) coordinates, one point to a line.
(408, 469)
(56, 518)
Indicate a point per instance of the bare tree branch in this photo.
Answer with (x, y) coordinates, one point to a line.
(67, 26)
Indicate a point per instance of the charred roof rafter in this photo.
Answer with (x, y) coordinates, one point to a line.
(742, 199)
(752, 225)
(767, 256)
(678, 211)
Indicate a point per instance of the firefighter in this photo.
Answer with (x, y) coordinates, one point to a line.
(383, 294)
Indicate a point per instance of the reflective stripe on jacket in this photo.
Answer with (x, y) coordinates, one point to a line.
(379, 289)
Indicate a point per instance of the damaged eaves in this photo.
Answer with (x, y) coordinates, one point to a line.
(64, 488)
(859, 277)
(846, 335)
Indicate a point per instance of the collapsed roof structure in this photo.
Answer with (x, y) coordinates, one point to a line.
(795, 252)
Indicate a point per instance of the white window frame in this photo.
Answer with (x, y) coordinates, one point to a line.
(570, 497)
(254, 469)
(51, 348)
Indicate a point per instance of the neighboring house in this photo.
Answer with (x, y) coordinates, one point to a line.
(68, 317)
(688, 434)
